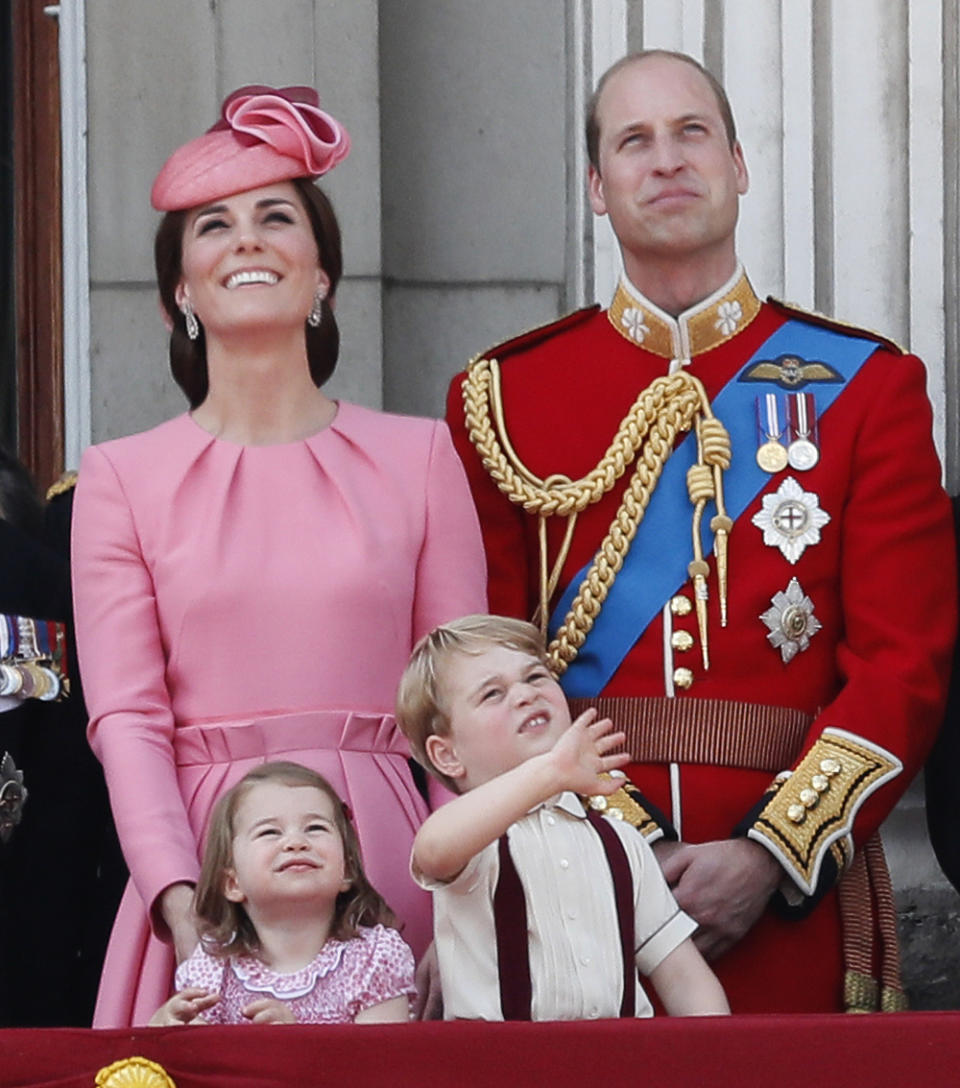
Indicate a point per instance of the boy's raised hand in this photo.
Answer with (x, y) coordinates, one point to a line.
(582, 754)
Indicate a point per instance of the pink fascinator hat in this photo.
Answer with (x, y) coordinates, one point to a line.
(264, 135)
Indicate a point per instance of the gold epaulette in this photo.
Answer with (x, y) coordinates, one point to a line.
(538, 334)
(67, 481)
(625, 804)
(811, 809)
(825, 321)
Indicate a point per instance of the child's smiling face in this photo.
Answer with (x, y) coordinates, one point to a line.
(504, 707)
(286, 848)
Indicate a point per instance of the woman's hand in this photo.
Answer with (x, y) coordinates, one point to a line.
(268, 1010)
(184, 1007)
(176, 908)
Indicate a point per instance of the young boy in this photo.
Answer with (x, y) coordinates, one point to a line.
(542, 910)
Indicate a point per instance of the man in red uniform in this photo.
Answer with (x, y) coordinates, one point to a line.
(768, 609)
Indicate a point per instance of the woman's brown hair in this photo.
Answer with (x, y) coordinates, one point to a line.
(225, 927)
(188, 358)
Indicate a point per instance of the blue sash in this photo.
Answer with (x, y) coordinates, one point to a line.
(656, 565)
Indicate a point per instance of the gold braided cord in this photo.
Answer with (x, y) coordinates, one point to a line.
(646, 435)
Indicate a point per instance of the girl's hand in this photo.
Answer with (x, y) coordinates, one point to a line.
(184, 1007)
(580, 755)
(268, 1010)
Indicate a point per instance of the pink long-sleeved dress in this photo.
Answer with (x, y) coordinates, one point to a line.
(236, 604)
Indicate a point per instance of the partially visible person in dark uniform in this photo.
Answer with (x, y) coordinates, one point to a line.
(61, 871)
(941, 770)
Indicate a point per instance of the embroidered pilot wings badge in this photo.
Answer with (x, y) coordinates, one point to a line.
(791, 372)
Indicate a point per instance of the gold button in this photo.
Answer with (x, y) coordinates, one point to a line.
(796, 813)
(683, 678)
(820, 783)
(809, 798)
(599, 802)
(830, 766)
(680, 605)
(681, 640)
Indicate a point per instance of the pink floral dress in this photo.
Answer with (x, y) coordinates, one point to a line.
(346, 978)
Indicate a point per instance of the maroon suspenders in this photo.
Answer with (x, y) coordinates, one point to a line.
(510, 922)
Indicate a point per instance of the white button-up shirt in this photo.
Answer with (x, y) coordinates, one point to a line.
(574, 941)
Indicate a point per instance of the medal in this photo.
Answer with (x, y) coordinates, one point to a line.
(13, 794)
(802, 453)
(10, 680)
(771, 454)
(791, 519)
(790, 622)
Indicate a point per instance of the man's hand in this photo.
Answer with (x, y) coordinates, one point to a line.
(268, 1010)
(724, 886)
(428, 1004)
(184, 1007)
(580, 755)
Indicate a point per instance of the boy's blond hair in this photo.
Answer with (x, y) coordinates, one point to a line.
(420, 709)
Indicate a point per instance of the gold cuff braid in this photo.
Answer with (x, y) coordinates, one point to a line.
(626, 804)
(813, 809)
(667, 407)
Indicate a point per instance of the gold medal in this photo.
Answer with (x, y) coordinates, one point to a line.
(771, 453)
(772, 457)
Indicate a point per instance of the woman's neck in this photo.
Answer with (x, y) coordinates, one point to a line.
(262, 394)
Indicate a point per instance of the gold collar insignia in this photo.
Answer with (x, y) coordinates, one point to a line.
(704, 326)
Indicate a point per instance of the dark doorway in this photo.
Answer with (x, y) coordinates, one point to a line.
(31, 369)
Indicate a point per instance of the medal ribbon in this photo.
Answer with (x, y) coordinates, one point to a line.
(655, 567)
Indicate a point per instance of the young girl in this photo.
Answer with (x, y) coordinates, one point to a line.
(292, 931)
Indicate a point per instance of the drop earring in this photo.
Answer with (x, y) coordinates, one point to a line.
(316, 310)
(190, 318)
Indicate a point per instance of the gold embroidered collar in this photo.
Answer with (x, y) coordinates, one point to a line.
(704, 326)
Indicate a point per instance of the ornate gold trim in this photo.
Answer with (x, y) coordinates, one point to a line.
(814, 808)
(66, 482)
(707, 325)
(624, 804)
(646, 436)
(134, 1073)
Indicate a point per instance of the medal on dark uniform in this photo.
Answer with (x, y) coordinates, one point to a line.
(771, 453)
(803, 453)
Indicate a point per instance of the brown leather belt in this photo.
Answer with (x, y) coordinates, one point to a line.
(717, 731)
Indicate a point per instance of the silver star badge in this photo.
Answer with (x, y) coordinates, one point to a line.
(791, 621)
(791, 519)
(13, 794)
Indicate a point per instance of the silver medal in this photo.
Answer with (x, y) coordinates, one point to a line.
(791, 621)
(791, 519)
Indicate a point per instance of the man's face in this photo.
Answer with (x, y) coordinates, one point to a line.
(668, 178)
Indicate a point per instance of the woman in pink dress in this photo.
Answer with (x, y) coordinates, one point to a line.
(251, 576)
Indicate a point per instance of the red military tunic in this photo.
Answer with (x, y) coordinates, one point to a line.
(880, 580)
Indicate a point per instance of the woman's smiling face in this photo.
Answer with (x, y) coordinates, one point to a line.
(250, 261)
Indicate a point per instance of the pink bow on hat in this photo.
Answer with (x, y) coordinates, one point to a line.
(290, 120)
(265, 135)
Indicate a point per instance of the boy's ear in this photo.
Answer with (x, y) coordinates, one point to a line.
(231, 887)
(443, 756)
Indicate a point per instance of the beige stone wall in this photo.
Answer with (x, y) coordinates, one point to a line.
(474, 201)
